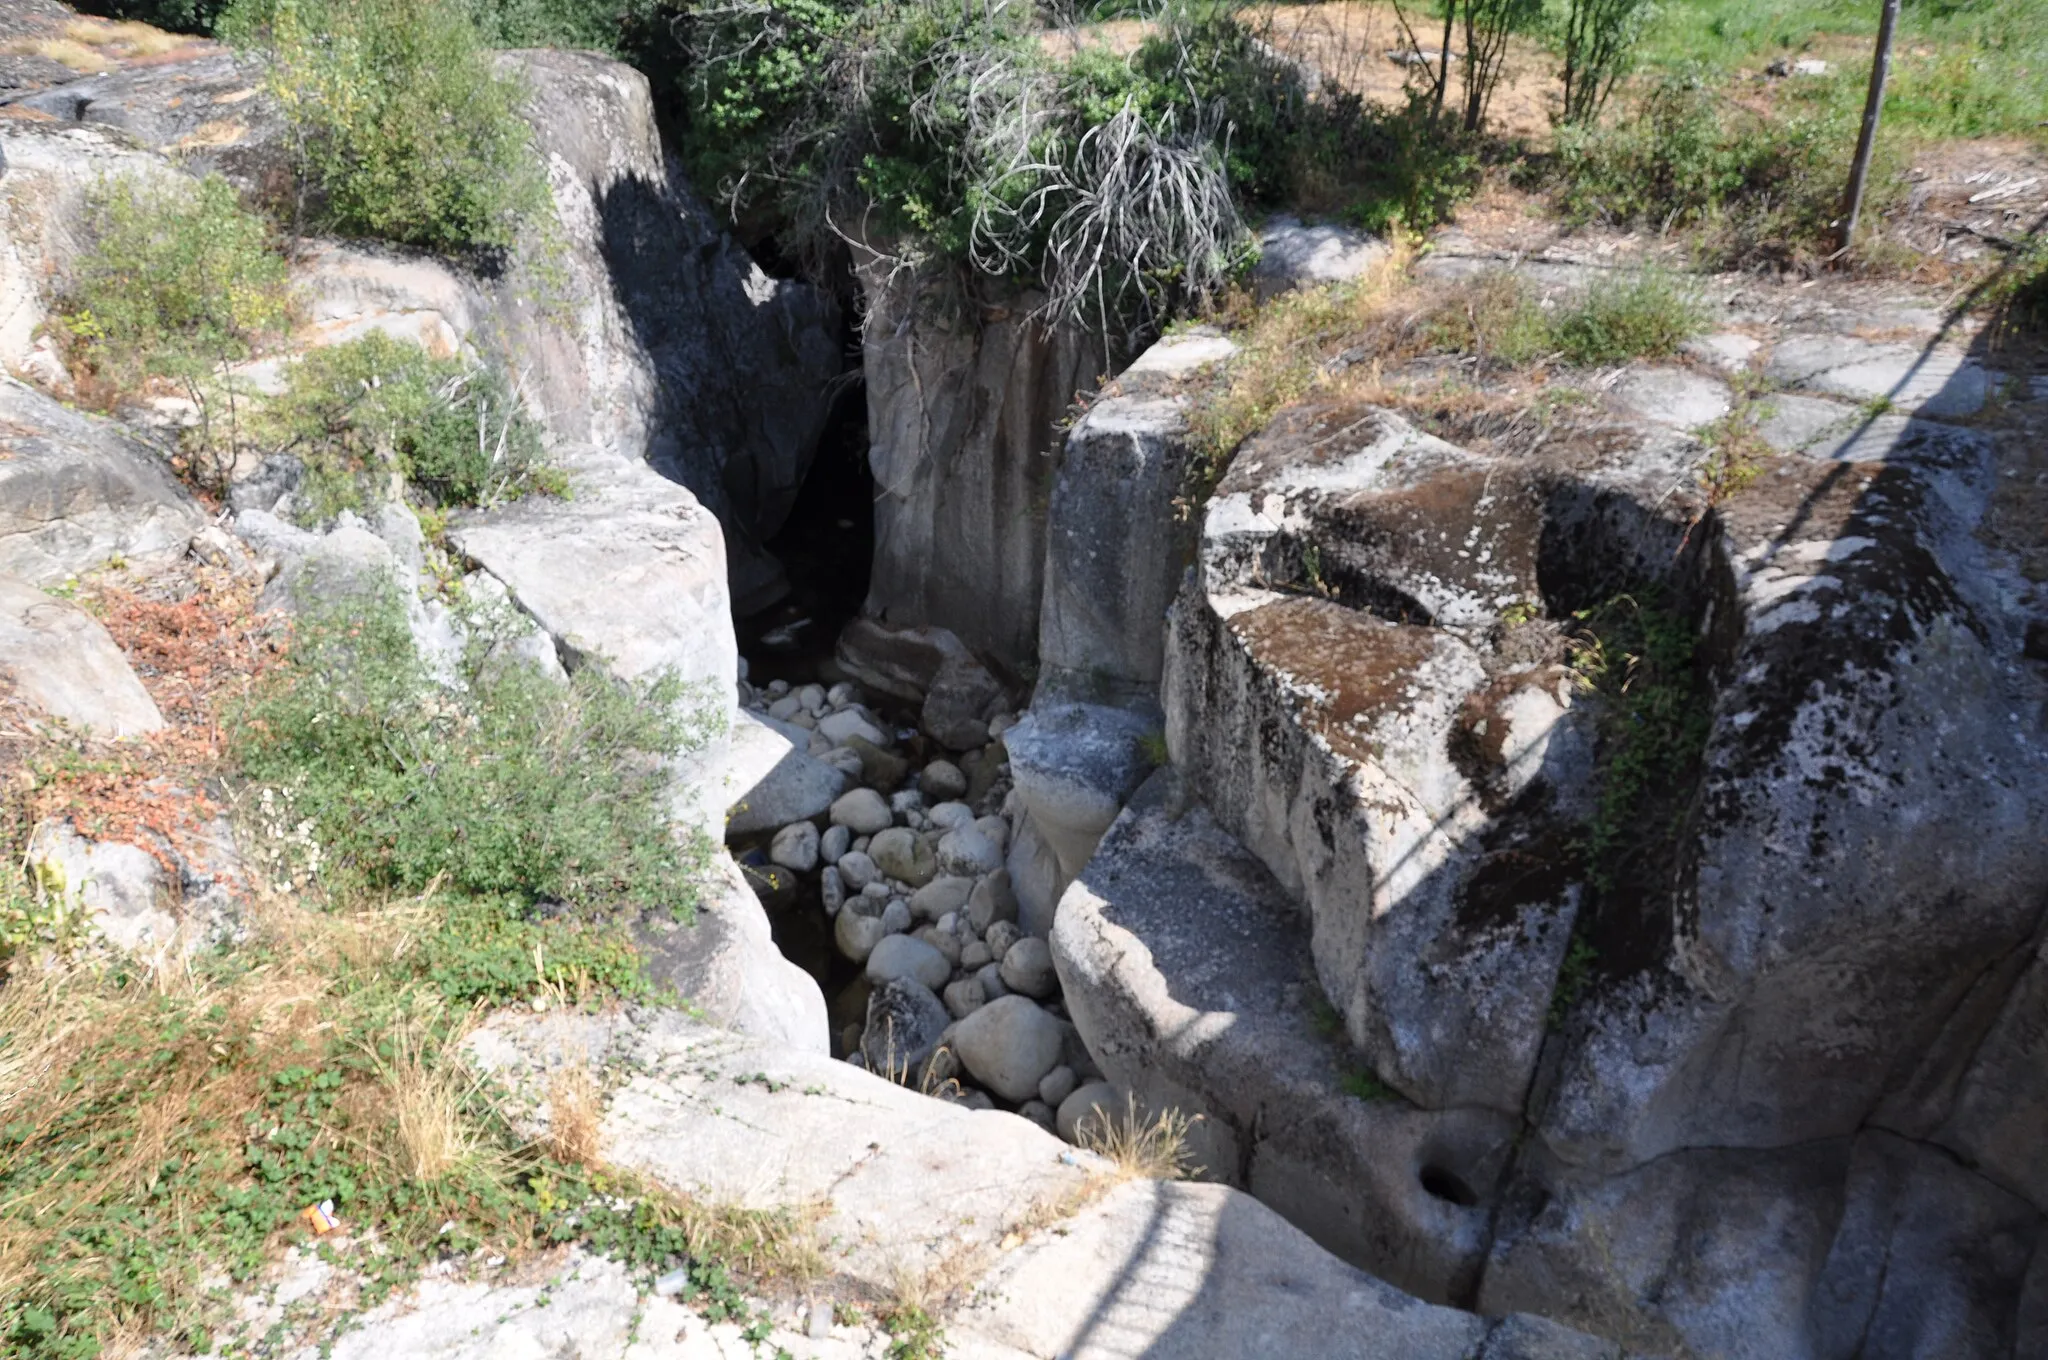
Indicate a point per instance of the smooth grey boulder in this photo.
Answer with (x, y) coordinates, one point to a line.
(968, 852)
(77, 492)
(1027, 968)
(991, 901)
(1074, 765)
(1084, 1109)
(905, 856)
(857, 933)
(1115, 542)
(153, 898)
(795, 847)
(61, 662)
(905, 956)
(1293, 254)
(1009, 1045)
(940, 896)
(861, 811)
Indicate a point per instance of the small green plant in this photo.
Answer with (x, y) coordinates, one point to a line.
(1638, 655)
(1574, 976)
(405, 130)
(914, 1334)
(1364, 1084)
(1640, 316)
(1153, 747)
(178, 283)
(1497, 316)
(355, 414)
(512, 788)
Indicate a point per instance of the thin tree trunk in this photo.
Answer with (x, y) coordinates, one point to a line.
(1866, 140)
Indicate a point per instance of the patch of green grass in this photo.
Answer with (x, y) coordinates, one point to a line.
(407, 132)
(1498, 316)
(1962, 68)
(510, 788)
(1361, 1084)
(355, 413)
(178, 281)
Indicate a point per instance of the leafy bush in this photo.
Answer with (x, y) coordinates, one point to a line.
(1686, 156)
(354, 413)
(178, 282)
(1599, 41)
(407, 132)
(514, 788)
(179, 16)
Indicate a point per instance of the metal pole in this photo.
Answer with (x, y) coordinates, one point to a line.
(1866, 141)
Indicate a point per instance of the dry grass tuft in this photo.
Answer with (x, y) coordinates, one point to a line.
(132, 38)
(76, 55)
(1141, 1148)
(575, 1114)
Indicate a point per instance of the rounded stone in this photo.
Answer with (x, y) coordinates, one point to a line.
(857, 935)
(903, 855)
(857, 870)
(1039, 1113)
(1027, 968)
(795, 847)
(905, 956)
(861, 811)
(950, 815)
(942, 780)
(945, 941)
(905, 1022)
(974, 956)
(964, 998)
(1057, 1085)
(992, 900)
(996, 829)
(940, 896)
(990, 976)
(1000, 937)
(836, 841)
(969, 851)
(1096, 1103)
(1009, 1045)
(896, 916)
(831, 890)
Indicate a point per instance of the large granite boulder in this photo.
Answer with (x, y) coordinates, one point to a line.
(61, 662)
(965, 398)
(77, 492)
(1825, 939)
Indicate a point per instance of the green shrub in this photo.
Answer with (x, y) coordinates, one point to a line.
(1633, 316)
(513, 788)
(178, 282)
(1684, 155)
(355, 413)
(408, 134)
(179, 16)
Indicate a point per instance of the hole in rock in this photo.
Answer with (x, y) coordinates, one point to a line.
(1447, 1186)
(827, 547)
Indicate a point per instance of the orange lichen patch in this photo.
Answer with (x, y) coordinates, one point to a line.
(1346, 669)
(194, 655)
